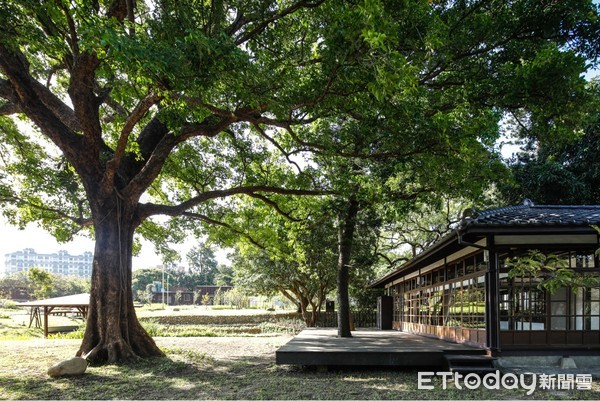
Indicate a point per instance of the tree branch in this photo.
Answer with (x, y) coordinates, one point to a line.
(150, 209)
(274, 205)
(276, 16)
(8, 109)
(61, 111)
(162, 142)
(52, 116)
(80, 221)
(277, 145)
(208, 220)
(138, 113)
(85, 102)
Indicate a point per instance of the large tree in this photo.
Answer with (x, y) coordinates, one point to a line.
(147, 110)
(167, 107)
(444, 74)
(563, 173)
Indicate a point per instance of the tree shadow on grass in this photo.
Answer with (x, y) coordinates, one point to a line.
(186, 374)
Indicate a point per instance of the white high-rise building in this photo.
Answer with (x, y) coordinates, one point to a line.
(58, 263)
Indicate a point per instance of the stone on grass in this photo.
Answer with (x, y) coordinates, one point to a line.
(70, 367)
(567, 363)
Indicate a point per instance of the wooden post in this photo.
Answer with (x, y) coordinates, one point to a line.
(34, 316)
(492, 317)
(45, 321)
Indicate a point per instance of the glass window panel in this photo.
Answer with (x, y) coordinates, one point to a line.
(559, 295)
(558, 323)
(584, 260)
(576, 323)
(470, 265)
(480, 263)
(451, 272)
(558, 308)
(538, 323)
(576, 304)
(460, 269)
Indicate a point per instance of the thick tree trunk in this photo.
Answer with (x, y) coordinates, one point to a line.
(113, 332)
(347, 226)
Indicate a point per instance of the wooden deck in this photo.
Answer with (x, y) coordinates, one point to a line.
(368, 347)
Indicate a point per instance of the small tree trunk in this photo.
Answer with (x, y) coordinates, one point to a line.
(304, 310)
(347, 226)
(113, 332)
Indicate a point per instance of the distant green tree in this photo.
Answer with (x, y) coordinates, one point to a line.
(236, 298)
(559, 173)
(197, 297)
(148, 294)
(295, 257)
(68, 285)
(16, 281)
(144, 277)
(202, 264)
(219, 298)
(224, 275)
(41, 281)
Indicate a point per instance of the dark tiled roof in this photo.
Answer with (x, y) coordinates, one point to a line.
(530, 214)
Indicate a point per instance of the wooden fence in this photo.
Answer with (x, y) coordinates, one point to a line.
(361, 318)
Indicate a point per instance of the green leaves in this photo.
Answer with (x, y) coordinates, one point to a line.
(553, 270)
(41, 281)
(400, 99)
(36, 186)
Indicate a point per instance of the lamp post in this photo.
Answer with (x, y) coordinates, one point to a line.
(162, 286)
(168, 289)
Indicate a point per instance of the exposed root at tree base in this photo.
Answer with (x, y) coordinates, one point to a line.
(116, 352)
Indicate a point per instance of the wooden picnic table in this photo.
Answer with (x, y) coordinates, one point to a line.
(71, 303)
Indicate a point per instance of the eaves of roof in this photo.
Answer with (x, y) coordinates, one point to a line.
(522, 219)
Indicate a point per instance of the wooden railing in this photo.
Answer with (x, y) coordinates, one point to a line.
(361, 318)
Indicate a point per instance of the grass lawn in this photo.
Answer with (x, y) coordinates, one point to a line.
(219, 368)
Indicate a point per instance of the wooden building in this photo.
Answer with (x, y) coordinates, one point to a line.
(183, 296)
(459, 289)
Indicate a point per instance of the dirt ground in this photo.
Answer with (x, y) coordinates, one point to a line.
(227, 348)
(218, 348)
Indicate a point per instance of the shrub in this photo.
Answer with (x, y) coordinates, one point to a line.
(8, 304)
(71, 335)
(210, 320)
(151, 326)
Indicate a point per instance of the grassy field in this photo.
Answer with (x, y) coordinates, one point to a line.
(219, 368)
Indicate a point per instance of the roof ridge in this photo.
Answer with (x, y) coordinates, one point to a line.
(536, 214)
(566, 206)
(493, 212)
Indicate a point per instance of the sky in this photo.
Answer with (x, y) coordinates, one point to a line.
(12, 239)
